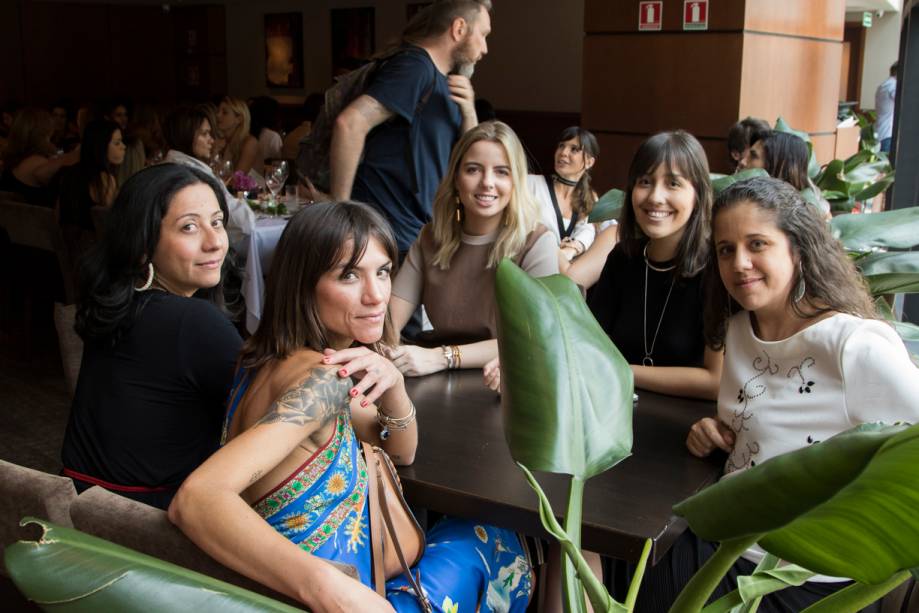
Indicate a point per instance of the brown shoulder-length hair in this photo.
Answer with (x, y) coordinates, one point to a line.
(832, 284)
(315, 240)
(680, 151)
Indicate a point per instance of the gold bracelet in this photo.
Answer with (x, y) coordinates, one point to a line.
(457, 357)
(398, 424)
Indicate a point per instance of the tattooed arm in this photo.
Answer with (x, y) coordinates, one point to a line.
(348, 136)
(209, 509)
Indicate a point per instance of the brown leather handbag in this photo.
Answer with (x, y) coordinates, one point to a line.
(397, 541)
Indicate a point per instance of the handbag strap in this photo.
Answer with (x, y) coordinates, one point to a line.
(376, 531)
(375, 476)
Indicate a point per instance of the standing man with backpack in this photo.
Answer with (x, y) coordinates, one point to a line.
(391, 145)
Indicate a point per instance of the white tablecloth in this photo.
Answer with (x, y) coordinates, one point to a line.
(262, 243)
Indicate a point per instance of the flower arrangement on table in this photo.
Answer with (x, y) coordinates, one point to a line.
(242, 182)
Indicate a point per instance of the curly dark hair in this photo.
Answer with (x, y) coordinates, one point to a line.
(107, 304)
(680, 151)
(832, 283)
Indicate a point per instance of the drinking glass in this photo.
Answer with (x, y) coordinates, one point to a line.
(274, 181)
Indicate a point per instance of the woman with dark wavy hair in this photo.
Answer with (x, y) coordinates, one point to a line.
(805, 359)
(159, 348)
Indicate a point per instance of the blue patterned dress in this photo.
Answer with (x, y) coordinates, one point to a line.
(322, 507)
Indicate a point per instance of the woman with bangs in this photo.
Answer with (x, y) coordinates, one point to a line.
(649, 298)
(286, 501)
(483, 212)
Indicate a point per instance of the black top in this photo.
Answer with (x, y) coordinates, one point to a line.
(75, 202)
(406, 157)
(39, 196)
(148, 411)
(617, 301)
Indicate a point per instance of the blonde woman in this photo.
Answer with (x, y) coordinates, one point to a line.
(236, 143)
(483, 212)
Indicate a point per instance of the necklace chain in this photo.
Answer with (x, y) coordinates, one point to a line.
(647, 360)
(652, 266)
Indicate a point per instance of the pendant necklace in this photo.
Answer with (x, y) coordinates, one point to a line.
(647, 360)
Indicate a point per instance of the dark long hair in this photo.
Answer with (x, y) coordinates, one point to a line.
(313, 242)
(681, 151)
(785, 157)
(832, 284)
(264, 114)
(583, 196)
(107, 301)
(94, 153)
(181, 125)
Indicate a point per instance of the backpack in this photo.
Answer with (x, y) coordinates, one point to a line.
(313, 155)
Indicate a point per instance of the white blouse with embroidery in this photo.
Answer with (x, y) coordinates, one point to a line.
(833, 375)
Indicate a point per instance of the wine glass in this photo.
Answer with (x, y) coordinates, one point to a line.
(274, 181)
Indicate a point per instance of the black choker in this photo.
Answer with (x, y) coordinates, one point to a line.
(565, 181)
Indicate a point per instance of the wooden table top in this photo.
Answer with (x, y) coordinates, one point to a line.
(463, 467)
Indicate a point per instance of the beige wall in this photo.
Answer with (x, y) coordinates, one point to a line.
(882, 46)
(534, 60)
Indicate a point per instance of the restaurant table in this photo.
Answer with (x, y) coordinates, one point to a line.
(463, 467)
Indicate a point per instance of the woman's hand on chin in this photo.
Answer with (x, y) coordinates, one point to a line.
(374, 373)
(415, 361)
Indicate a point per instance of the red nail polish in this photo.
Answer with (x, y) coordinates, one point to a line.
(326, 359)
(353, 392)
(343, 373)
(363, 403)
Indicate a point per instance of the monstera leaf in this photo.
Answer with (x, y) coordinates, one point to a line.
(67, 570)
(898, 229)
(844, 507)
(567, 394)
(608, 206)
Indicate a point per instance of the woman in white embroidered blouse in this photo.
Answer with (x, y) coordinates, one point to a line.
(805, 358)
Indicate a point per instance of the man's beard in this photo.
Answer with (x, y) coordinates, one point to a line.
(463, 62)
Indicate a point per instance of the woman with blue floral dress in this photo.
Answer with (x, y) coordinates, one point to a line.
(289, 489)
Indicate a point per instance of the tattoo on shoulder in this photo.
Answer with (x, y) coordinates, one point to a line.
(255, 477)
(321, 396)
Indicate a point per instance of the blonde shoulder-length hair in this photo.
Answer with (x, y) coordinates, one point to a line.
(236, 140)
(520, 216)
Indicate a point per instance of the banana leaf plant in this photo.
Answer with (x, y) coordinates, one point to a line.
(566, 402)
(845, 183)
(69, 571)
(844, 507)
(866, 238)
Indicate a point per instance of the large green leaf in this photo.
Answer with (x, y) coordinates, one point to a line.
(831, 179)
(843, 507)
(897, 229)
(722, 182)
(608, 206)
(891, 272)
(868, 172)
(875, 188)
(67, 570)
(567, 394)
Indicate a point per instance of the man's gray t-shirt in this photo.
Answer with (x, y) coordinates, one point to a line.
(406, 157)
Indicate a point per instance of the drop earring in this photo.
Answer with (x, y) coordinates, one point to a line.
(459, 208)
(800, 287)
